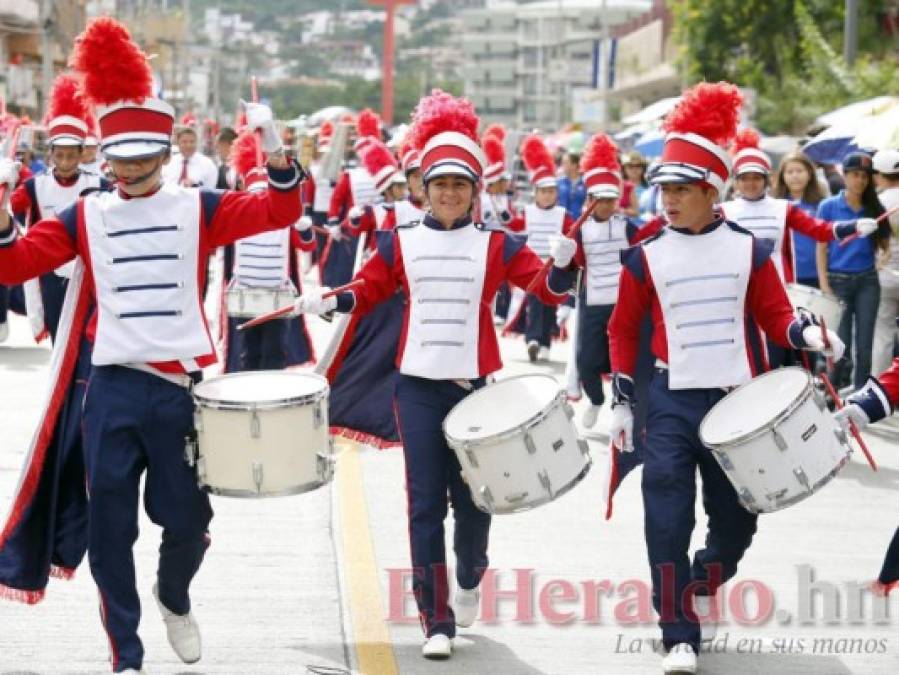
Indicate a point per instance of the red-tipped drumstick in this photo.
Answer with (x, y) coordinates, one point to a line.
(883, 216)
(588, 209)
(284, 311)
(254, 97)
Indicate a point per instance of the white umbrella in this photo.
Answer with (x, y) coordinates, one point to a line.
(857, 110)
(653, 112)
(870, 128)
(880, 132)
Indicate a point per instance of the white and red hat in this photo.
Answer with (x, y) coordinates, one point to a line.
(325, 133)
(116, 78)
(748, 157)
(368, 128)
(243, 159)
(539, 162)
(698, 129)
(381, 165)
(65, 120)
(445, 131)
(410, 158)
(600, 168)
(495, 150)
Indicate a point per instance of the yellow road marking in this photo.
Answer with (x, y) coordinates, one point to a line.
(371, 637)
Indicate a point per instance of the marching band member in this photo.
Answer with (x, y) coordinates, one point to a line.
(450, 268)
(600, 242)
(354, 187)
(496, 208)
(875, 401)
(268, 261)
(390, 182)
(142, 249)
(541, 221)
(47, 193)
(317, 188)
(191, 168)
(699, 278)
(90, 160)
(410, 160)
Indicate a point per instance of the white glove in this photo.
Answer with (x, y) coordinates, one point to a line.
(334, 232)
(865, 227)
(356, 213)
(562, 250)
(303, 224)
(815, 342)
(260, 117)
(622, 429)
(312, 302)
(562, 315)
(9, 176)
(851, 412)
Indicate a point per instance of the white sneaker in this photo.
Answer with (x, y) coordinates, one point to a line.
(708, 622)
(680, 659)
(533, 350)
(182, 630)
(590, 415)
(437, 647)
(543, 354)
(465, 606)
(4, 331)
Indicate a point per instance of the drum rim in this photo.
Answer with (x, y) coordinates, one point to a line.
(290, 295)
(249, 494)
(530, 423)
(769, 426)
(269, 404)
(801, 497)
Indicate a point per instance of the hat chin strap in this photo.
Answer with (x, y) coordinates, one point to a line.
(138, 179)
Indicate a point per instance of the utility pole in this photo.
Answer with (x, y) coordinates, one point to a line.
(850, 32)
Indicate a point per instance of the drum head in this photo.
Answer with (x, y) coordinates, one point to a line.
(753, 406)
(260, 387)
(501, 407)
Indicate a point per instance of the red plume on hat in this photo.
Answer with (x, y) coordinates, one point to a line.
(538, 161)
(748, 156)
(495, 152)
(189, 119)
(600, 167)
(497, 130)
(66, 113)
(113, 68)
(445, 130)
(368, 127)
(243, 156)
(381, 165)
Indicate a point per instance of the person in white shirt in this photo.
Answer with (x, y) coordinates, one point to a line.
(189, 168)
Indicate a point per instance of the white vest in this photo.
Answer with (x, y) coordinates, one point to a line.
(53, 198)
(145, 260)
(406, 212)
(701, 282)
(362, 187)
(603, 243)
(766, 218)
(445, 270)
(263, 260)
(540, 225)
(323, 189)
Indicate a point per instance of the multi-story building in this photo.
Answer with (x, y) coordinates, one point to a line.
(533, 65)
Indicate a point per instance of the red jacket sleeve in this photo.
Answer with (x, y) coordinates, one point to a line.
(382, 277)
(304, 241)
(20, 201)
(241, 214)
(524, 265)
(650, 229)
(799, 220)
(365, 223)
(767, 302)
(45, 246)
(889, 380)
(341, 198)
(634, 302)
(308, 192)
(517, 223)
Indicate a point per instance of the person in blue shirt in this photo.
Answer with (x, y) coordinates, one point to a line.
(851, 266)
(572, 192)
(796, 182)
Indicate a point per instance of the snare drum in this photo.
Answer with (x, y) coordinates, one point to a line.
(817, 302)
(775, 439)
(248, 303)
(262, 434)
(516, 444)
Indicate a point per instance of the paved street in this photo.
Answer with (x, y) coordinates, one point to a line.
(303, 584)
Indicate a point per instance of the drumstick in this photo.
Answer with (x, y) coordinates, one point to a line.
(852, 427)
(571, 234)
(883, 216)
(254, 96)
(283, 311)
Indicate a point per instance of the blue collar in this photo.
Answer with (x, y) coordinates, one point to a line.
(434, 224)
(711, 227)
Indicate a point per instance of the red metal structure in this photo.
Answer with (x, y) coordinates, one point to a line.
(387, 58)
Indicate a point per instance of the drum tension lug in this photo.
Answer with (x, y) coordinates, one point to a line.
(472, 459)
(258, 476)
(779, 441)
(529, 444)
(318, 416)
(584, 446)
(487, 496)
(801, 477)
(255, 426)
(190, 448)
(545, 482)
(324, 466)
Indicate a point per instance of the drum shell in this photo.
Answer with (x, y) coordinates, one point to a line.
(526, 466)
(817, 302)
(248, 303)
(788, 459)
(263, 450)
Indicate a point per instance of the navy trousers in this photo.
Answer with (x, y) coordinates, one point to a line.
(673, 453)
(4, 302)
(136, 422)
(540, 321)
(889, 572)
(592, 351)
(265, 346)
(53, 293)
(432, 472)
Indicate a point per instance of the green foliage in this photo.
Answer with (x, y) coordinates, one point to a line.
(787, 50)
